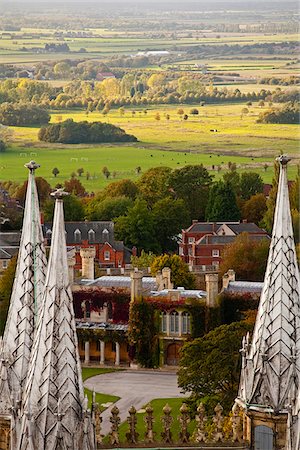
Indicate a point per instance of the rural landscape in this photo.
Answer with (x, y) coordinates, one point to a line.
(142, 236)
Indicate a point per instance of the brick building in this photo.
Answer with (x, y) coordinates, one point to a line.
(203, 242)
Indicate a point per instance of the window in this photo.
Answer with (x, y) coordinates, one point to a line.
(174, 322)
(77, 235)
(91, 236)
(105, 235)
(107, 256)
(186, 323)
(191, 240)
(4, 264)
(181, 251)
(215, 253)
(163, 322)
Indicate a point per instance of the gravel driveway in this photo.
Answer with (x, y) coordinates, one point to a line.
(135, 388)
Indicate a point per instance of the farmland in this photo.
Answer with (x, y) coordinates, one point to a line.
(174, 142)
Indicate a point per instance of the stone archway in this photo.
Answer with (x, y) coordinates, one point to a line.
(173, 350)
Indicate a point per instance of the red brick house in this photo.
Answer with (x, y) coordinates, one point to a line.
(203, 242)
(100, 235)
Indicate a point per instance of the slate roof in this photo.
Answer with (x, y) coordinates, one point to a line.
(10, 238)
(245, 227)
(235, 287)
(204, 227)
(149, 283)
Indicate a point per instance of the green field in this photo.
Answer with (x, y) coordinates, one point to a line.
(174, 143)
(88, 372)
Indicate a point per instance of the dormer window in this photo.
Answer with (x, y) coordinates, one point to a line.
(48, 235)
(105, 235)
(77, 235)
(91, 236)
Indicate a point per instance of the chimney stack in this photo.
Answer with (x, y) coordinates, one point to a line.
(212, 289)
(136, 285)
(87, 261)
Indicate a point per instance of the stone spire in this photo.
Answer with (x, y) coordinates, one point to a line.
(54, 409)
(26, 296)
(271, 364)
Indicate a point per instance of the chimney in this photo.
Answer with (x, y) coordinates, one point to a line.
(71, 264)
(136, 285)
(212, 289)
(87, 262)
(194, 221)
(166, 278)
(227, 277)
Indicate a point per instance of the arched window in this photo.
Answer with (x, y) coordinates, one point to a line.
(186, 323)
(174, 322)
(91, 236)
(163, 322)
(77, 235)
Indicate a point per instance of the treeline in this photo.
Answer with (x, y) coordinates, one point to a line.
(289, 113)
(151, 212)
(272, 48)
(70, 132)
(131, 90)
(17, 114)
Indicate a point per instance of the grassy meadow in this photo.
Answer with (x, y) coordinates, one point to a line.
(174, 143)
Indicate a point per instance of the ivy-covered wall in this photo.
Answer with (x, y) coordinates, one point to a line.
(233, 308)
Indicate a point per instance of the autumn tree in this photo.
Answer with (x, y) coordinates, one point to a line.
(180, 274)
(43, 188)
(254, 209)
(210, 365)
(143, 261)
(73, 209)
(154, 184)
(247, 256)
(106, 172)
(267, 221)
(108, 208)
(73, 186)
(122, 188)
(80, 171)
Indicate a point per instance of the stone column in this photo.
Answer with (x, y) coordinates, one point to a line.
(102, 352)
(212, 289)
(180, 323)
(87, 260)
(168, 324)
(86, 352)
(136, 285)
(117, 361)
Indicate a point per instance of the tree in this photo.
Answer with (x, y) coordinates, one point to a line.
(55, 171)
(16, 114)
(137, 227)
(43, 188)
(122, 188)
(247, 257)
(222, 204)
(251, 183)
(232, 177)
(267, 221)
(143, 261)
(210, 365)
(106, 172)
(170, 216)
(254, 209)
(180, 274)
(108, 208)
(289, 113)
(73, 209)
(80, 171)
(73, 186)
(6, 284)
(154, 184)
(192, 183)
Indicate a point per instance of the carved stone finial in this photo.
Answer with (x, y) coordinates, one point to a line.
(149, 420)
(184, 421)
(167, 421)
(32, 166)
(218, 421)
(200, 434)
(115, 422)
(236, 421)
(283, 159)
(132, 435)
(59, 194)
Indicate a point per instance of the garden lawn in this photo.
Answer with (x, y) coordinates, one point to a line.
(88, 372)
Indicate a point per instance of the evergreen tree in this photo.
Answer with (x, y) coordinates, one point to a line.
(222, 205)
